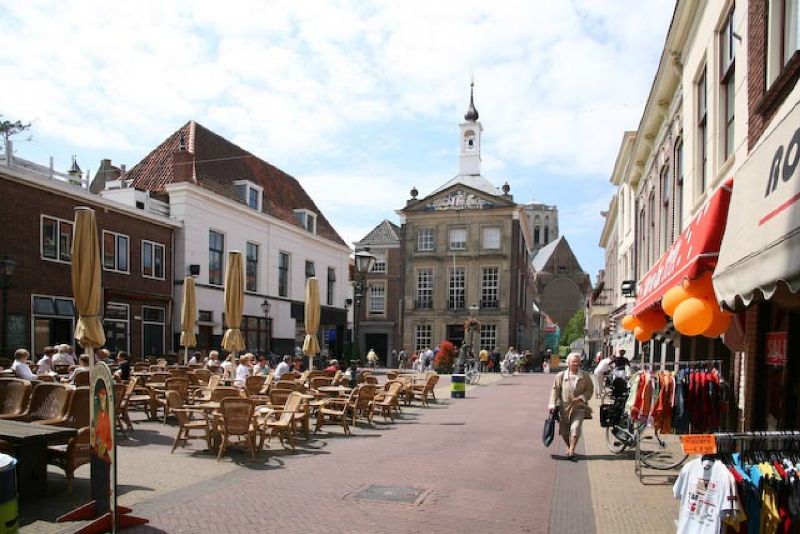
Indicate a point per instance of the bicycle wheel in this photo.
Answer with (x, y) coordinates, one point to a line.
(659, 451)
(614, 443)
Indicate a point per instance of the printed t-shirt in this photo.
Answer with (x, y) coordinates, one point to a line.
(706, 496)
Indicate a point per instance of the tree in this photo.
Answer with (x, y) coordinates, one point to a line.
(574, 329)
(9, 129)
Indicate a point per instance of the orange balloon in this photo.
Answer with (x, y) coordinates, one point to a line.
(629, 322)
(641, 334)
(653, 319)
(700, 287)
(693, 316)
(719, 325)
(672, 298)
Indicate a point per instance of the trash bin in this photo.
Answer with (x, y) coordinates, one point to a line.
(458, 386)
(9, 511)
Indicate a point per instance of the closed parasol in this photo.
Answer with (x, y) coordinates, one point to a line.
(312, 313)
(86, 282)
(187, 317)
(233, 341)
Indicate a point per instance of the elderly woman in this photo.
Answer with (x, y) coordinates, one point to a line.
(571, 392)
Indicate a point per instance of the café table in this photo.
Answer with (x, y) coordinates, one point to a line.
(30, 443)
(334, 390)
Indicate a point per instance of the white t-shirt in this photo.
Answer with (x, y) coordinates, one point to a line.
(603, 367)
(45, 365)
(62, 358)
(281, 370)
(22, 370)
(242, 372)
(707, 492)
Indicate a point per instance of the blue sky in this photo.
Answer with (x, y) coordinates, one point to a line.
(358, 100)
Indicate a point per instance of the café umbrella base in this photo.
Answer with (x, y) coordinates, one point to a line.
(458, 386)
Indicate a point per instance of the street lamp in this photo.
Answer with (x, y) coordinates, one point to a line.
(364, 263)
(468, 347)
(265, 307)
(7, 266)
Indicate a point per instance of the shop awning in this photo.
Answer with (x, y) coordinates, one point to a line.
(693, 252)
(761, 248)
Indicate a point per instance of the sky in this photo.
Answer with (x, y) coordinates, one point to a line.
(360, 101)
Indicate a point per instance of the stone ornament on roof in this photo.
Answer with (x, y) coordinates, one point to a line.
(458, 200)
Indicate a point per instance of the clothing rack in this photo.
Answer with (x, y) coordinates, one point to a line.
(756, 435)
(662, 365)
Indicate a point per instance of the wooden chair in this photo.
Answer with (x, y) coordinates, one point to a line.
(70, 456)
(139, 367)
(392, 375)
(142, 398)
(14, 395)
(422, 391)
(186, 423)
(77, 414)
(48, 401)
(237, 419)
(181, 385)
(159, 377)
(386, 402)
(281, 421)
(202, 375)
(203, 394)
(81, 379)
(253, 384)
(225, 392)
(319, 381)
(362, 405)
(122, 413)
(336, 410)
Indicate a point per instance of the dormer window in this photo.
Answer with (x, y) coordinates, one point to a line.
(249, 193)
(308, 219)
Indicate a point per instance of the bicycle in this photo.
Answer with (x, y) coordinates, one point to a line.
(473, 372)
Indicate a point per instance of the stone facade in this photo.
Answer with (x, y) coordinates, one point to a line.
(562, 286)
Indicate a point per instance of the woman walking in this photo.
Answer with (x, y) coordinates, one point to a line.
(571, 392)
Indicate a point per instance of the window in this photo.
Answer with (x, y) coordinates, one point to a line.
(727, 92)
(458, 238)
(53, 321)
(422, 337)
(307, 219)
(283, 274)
(310, 269)
(651, 229)
(377, 298)
(116, 323)
(256, 333)
(488, 336)
(251, 269)
(702, 132)
(53, 306)
(666, 207)
(249, 193)
(457, 288)
(152, 331)
(152, 260)
(115, 252)
(424, 297)
(425, 239)
(546, 229)
(216, 250)
(490, 287)
(678, 209)
(490, 238)
(56, 239)
(537, 230)
(331, 285)
(380, 263)
(783, 39)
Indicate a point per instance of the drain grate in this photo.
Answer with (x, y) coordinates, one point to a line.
(393, 494)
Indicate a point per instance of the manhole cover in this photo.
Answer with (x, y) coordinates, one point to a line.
(395, 494)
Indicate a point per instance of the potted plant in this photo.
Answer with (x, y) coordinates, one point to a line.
(445, 358)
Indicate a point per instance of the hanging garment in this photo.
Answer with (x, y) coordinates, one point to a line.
(662, 413)
(707, 492)
(644, 398)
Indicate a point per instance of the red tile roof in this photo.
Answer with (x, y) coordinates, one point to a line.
(218, 163)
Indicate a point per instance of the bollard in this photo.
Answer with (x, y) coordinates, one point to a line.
(9, 511)
(458, 386)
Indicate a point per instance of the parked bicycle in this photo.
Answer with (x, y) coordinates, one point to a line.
(472, 371)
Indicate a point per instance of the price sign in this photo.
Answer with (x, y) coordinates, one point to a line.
(699, 444)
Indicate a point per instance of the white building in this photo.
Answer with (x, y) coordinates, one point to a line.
(228, 199)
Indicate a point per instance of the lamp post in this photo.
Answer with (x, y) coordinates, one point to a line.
(364, 262)
(468, 347)
(7, 266)
(265, 307)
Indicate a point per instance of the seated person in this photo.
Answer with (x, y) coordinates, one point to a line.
(333, 367)
(283, 367)
(213, 360)
(124, 371)
(195, 357)
(262, 367)
(83, 367)
(228, 367)
(63, 357)
(20, 366)
(45, 363)
(298, 364)
(243, 370)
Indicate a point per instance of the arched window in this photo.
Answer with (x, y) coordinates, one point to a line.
(537, 229)
(546, 229)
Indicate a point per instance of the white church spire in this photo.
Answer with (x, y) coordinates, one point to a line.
(469, 152)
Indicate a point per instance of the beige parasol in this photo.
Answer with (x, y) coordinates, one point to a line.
(86, 283)
(187, 317)
(234, 303)
(312, 312)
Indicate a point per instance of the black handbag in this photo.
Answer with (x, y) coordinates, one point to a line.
(549, 431)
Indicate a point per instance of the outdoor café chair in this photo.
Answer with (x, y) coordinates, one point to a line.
(422, 391)
(143, 398)
(281, 421)
(181, 385)
(362, 403)
(253, 384)
(77, 414)
(186, 423)
(236, 419)
(48, 401)
(385, 402)
(225, 392)
(337, 409)
(202, 375)
(122, 413)
(14, 395)
(70, 456)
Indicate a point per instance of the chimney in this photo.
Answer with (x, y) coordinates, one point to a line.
(182, 166)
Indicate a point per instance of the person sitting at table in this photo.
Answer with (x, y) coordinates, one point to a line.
(124, 371)
(228, 366)
(332, 367)
(45, 363)
(213, 359)
(298, 364)
(243, 370)
(262, 367)
(83, 367)
(283, 367)
(20, 366)
(197, 355)
(63, 357)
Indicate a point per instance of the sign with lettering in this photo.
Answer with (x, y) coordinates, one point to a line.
(776, 348)
(699, 444)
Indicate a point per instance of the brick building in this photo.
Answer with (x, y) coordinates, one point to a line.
(136, 248)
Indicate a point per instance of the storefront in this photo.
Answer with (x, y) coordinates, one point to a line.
(758, 274)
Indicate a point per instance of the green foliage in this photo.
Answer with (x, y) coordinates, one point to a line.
(574, 329)
(9, 128)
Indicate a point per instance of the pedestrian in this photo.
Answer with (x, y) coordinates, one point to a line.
(495, 359)
(401, 360)
(372, 359)
(600, 372)
(621, 365)
(483, 356)
(570, 396)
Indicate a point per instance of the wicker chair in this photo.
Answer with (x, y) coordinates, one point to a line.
(281, 421)
(362, 405)
(371, 379)
(122, 413)
(203, 394)
(336, 410)
(392, 375)
(319, 381)
(70, 456)
(14, 395)
(139, 367)
(181, 385)
(81, 379)
(236, 419)
(422, 391)
(225, 392)
(203, 375)
(142, 398)
(159, 377)
(253, 384)
(185, 421)
(77, 414)
(386, 402)
(48, 401)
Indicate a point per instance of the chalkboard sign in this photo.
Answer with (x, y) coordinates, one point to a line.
(16, 331)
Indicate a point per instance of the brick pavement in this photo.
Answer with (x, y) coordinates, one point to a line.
(481, 460)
